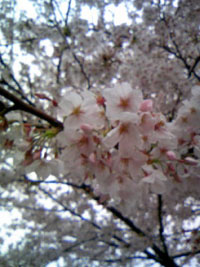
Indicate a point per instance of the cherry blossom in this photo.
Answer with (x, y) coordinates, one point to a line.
(137, 147)
(121, 99)
(80, 109)
(99, 131)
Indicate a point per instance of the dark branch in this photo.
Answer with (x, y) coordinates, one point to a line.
(68, 11)
(194, 66)
(10, 73)
(82, 70)
(185, 254)
(20, 105)
(160, 219)
(177, 53)
(59, 67)
(12, 88)
(159, 255)
(3, 81)
(68, 209)
(122, 260)
(84, 219)
(78, 244)
(126, 220)
(57, 25)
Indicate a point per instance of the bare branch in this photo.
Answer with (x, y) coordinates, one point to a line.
(82, 70)
(185, 254)
(197, 60)
(68, 11)
(68, 209)
(177, 53)
(122, 260)
(10, 73)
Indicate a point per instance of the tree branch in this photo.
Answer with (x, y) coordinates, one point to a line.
(68, 209)
(126, 220)
(20, 105)
(197, 60)
(159, 256)
(120, 240)
(125, 259)
(185, 254)
(177, 53)
(68, 11)
(82, 70)
(12, 88)
(10, 73)
(160, 219)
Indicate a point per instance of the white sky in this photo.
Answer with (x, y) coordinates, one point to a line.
(118, 14)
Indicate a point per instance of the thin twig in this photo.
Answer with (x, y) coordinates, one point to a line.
(82, 70)
(10, 73)
(68, 209)
(68, 11)
(12, 88)
(177, 53)
(185, 254)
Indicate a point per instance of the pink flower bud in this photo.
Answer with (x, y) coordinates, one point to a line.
(191, 161)
(100, 100)
(171, 155)
(146, 105)
(87, 128)
(92, 157)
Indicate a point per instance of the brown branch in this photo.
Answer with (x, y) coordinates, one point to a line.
(20, 105)
(12, 88)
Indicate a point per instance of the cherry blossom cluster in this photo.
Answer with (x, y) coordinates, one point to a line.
(116, 142)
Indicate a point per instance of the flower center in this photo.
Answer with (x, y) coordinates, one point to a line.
(125, 161)
(123, 128)
(84, 141)
(184, 119)
(77, 111)
(124, 103)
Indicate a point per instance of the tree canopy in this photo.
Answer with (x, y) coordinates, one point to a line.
(100, 133)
